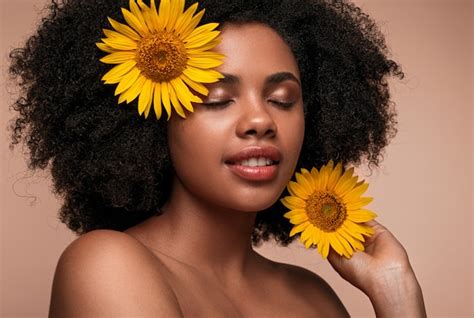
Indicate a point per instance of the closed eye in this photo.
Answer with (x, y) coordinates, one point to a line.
(227, 102)
(282, 104)
(217, 104)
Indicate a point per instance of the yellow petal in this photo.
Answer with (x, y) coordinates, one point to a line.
(175, 102)
(206, 54)
(130, 94)
(322, 240)
(117, 35)
(353, 233)
(183, 93)
(118, 57)
(203, 29)
(369, 231)
(293, 203)
(345, 177)
(347, 186)
(203, 76)
(125, 30)
(355, 193)
(137, 13)
(146, 96)
(348, 251)
(335, 244)
(334, 177)
(294, 212)
(324, 177)
(117, 72)
(296, 190)
(360, 216)
(316, 177)
(359, 203)
(148, 107)
(104, 47)
(165, 98)
(147, 16)
(356, 244)
(298, 228)
(356, 227)
(135, 90)
(183, 20)
(157, 99)
(164, 12)
(177, 8)
(198, 87)
(188, 29)
(157, 22)
(316, 235)
(325, 248)
(135, 23)
(307, 177)
(204, 62)
(127, 81)
(201, 40)
(205, 48)
(300, 218)
(124, 44)
(305, 181)
(306, 235)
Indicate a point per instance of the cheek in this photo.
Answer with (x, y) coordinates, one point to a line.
(291, 131)
(195, 151)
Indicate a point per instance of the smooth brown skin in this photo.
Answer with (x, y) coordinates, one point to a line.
(196, 260)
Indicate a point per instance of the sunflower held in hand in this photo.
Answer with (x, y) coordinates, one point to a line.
(327, 208)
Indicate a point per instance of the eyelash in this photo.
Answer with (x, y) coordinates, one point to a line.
(217, 104)
(225, 103)
(283, 105)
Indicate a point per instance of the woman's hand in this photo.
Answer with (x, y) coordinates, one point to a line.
(383, 272)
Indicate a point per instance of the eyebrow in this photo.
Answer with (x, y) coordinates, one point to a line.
(270, 79)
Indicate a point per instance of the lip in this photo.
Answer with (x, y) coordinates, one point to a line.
(254, 173)
(264, 173)
(254, 151)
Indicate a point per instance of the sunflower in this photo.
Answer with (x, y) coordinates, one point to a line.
(326, 206)
(161, 54)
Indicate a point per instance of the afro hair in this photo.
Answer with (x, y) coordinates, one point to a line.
(109, 178)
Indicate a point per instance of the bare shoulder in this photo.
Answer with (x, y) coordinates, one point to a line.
(109, 273)
(317, 291)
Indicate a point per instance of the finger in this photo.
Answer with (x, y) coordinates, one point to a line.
(337, 261)
(375, 225)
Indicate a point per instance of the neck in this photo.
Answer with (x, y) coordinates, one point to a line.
(212, 239)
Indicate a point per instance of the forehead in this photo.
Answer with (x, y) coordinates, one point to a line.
(254, 49)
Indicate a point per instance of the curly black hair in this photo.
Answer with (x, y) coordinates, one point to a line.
(112, 167)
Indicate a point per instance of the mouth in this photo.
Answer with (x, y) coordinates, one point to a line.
(255, 163)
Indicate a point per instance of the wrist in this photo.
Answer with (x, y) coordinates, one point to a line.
(396, 293)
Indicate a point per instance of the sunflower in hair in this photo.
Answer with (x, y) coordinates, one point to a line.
(326, 207)
(162, 56)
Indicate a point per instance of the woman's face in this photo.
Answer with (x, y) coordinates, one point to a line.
(254, 115)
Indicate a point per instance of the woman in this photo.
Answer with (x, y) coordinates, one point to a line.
(166, 210)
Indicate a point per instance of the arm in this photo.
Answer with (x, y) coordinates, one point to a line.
(108, 274)
(383, 272)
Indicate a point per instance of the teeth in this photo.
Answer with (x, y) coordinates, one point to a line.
(255, 162)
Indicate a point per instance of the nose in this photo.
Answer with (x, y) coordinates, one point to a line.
(256, 121)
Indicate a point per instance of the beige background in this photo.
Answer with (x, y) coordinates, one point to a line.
(423, 190)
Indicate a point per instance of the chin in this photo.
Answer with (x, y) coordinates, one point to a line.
(253, 203)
